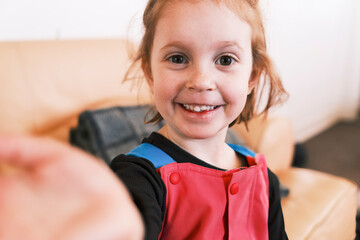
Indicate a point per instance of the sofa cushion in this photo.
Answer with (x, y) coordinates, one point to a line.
(319, 206)
(45, 85)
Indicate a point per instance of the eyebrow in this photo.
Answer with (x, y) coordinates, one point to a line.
(229, 44)
(179, 44)
(221, 44)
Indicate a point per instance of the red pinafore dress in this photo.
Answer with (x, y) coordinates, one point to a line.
(204, 203)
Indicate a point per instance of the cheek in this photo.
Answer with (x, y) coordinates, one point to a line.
(164, 88)
(237, 90)
(241, 101)
(236, 96)
(167, 82)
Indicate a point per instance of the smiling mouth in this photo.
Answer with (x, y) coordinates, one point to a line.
(198, 108)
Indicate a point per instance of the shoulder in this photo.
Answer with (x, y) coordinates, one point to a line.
(274, 187)
(146, 188)
(124, 161)
(273, 179)
(276, 218)
(135, 170)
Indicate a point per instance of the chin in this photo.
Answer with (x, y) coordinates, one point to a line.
(200, 133)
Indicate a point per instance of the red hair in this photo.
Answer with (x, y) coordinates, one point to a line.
(262, 69)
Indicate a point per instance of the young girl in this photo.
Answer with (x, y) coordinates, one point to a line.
(203, 60)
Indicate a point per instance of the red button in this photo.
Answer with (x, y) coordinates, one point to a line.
(234, 188)
(175, 178)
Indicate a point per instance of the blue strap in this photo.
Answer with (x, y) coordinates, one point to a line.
(159, 158)
(152, 153)
(242, 150)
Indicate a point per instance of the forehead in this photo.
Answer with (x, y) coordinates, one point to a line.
(210, 19)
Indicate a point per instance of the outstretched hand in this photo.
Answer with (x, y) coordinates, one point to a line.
(49, 190)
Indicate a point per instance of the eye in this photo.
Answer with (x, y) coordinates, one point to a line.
(225, 60)
(177, 59)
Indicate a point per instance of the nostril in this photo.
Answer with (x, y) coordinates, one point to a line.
(201, 85)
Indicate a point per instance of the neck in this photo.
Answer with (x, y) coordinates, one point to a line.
(212, 150)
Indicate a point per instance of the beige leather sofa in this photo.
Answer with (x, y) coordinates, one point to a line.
(45, 85)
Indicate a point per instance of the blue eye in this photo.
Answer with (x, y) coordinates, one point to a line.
(225, 60)
(177, 59)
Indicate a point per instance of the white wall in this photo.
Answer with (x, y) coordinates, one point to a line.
(64, 19)
(316, 47)
(315, 44)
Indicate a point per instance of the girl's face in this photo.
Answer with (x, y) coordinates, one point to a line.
(200, 68)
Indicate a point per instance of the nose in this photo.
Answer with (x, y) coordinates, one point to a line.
(200, 80)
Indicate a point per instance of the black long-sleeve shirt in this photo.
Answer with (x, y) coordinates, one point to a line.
(149, 192)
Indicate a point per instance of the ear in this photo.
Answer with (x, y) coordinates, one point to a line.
(147, 73)
(253, 81)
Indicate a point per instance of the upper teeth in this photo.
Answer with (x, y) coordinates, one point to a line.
(198, 108)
